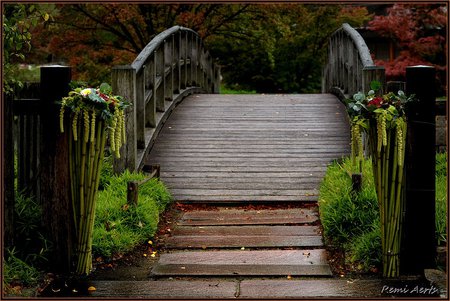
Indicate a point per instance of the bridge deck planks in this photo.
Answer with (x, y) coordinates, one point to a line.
(234, 148)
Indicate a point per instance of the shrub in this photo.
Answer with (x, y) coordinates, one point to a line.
(17, 270)
(352, 220)
(345, 215)
(119, 227)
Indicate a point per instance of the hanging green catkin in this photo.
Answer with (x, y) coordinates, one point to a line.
(93, 126)
(112, 133)
(86, 125)
(75, 126)
(124, 134)
(399, 137)
(61, 119)
(118, 130)
(381, 131)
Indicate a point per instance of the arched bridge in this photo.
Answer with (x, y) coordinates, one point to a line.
(232, 148)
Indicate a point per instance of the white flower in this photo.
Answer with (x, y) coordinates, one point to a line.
(86, 92)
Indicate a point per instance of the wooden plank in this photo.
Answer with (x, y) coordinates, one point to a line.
(306, 288)
(244, 192)
(301, 189)
(244, 263)
(238, 241)
(248, 230)
(239, 217)
(181, 289)
(243, 199)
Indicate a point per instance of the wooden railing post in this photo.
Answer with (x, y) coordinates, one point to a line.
(373, 73)
(419, 240)
(55, 177)
(124, 84)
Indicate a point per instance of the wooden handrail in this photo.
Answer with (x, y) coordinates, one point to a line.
(172, 66)
(350, 67)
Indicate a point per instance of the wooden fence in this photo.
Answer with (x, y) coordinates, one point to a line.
(27, 139)
(173, 65)
(33, 142)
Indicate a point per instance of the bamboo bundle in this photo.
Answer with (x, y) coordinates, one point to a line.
(383, 119)
(94, 113)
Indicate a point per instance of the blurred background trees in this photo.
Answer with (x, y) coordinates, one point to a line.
(268, 48)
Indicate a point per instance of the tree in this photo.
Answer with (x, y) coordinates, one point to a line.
(94, 37)
(281, 48)
(419, 32)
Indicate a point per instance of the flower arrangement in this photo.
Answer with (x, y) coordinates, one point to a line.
(382, 118)
(93, 112)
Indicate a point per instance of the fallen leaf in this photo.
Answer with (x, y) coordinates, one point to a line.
(183, 268)
(91, 289)
(150, 242)
(289, 277)
(145, 255)
(153, 254)
(125, 207)
(243, 248)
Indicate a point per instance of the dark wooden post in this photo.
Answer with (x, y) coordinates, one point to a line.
(124, 84)
(132, 193)
(8, 171)
(419, 243)
(55, 178)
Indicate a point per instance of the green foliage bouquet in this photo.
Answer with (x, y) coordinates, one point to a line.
(383, 119)
(93, 114)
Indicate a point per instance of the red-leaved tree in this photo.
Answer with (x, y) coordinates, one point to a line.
(419, 32)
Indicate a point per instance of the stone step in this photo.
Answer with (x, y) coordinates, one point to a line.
(264, 289)
(243, 262)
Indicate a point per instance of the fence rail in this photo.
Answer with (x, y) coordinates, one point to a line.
(173, 65)
(348, 59)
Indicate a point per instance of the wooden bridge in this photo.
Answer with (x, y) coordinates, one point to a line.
(238, 150)
(235, 154)
(235, 148)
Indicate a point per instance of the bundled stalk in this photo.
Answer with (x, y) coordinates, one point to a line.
(383, 119)
(92, 112)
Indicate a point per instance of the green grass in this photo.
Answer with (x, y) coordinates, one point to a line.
(441, 198)
(120, 227)
(236, 90)
(351, 221)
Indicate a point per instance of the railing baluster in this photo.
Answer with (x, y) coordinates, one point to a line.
(172, 66)
(140, 109)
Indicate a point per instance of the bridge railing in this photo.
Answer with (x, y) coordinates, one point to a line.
(350, 67)
(172, 66)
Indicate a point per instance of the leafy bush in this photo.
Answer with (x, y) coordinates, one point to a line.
(352, 220)
(31, 244)
(119, 227)
(366, 248)
(17, 270)
(346, 215)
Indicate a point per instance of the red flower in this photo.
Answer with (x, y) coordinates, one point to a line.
(377, 102)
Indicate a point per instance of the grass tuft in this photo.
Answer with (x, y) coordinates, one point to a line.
(120, 227)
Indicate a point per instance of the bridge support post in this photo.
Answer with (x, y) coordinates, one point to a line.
(124, 84)
(419, 240)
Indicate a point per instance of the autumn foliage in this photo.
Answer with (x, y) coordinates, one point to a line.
(419, 33)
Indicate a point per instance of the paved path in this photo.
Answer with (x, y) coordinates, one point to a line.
(250, 148)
